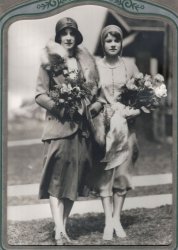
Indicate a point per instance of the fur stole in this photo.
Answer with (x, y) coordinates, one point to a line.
(53, 54)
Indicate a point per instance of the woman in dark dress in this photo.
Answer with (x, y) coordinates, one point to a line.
(67, 148)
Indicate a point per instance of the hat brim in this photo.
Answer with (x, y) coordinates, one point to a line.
(78, 35)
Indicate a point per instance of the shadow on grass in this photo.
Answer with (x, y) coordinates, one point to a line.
(143, 227)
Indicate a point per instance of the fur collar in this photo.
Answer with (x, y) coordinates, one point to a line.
(54, 52)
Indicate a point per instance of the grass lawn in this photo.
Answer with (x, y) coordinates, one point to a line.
(143, 227)
(24, 129)
(24, 164)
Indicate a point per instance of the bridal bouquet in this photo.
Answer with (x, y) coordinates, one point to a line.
(143, 91)
(70, 95)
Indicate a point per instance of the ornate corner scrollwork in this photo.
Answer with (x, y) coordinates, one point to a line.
(124, 4)
(128, 5)
(45, 5)
(48, 4)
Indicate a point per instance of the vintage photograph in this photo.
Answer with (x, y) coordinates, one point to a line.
(90, 129)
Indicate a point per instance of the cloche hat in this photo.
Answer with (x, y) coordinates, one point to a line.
(111, 28)
(68, 22)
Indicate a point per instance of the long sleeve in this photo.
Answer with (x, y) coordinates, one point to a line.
(42, 90)
(42, 94)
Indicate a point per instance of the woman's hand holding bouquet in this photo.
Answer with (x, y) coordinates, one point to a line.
(70, 95)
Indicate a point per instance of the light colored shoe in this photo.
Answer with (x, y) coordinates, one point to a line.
(59, 242)
(108, 233)
(67, 237)
(119, 230)
(61, 238)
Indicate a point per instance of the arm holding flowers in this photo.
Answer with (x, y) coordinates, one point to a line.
(42, 94)
(99, 103)
(67, 91)
(95, 108)
(125, 111)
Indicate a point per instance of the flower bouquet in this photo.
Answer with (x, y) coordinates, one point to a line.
(70, 95)
(143, 92)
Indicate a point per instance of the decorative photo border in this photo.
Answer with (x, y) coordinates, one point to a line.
(42, 8)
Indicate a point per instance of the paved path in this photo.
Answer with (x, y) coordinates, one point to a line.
(42, 211)
(138, 181)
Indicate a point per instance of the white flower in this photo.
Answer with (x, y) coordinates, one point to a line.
(159, 78)
(148, 84)
(139, 76)
(64, 89)
(161, 91)
(147, 77)
(131, 84)
(77, 88)
(73, 74)
(64, 85)
(69, 87)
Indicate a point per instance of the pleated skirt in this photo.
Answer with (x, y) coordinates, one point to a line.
(67, 164)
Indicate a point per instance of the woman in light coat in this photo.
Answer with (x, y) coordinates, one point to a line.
(67, 149)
